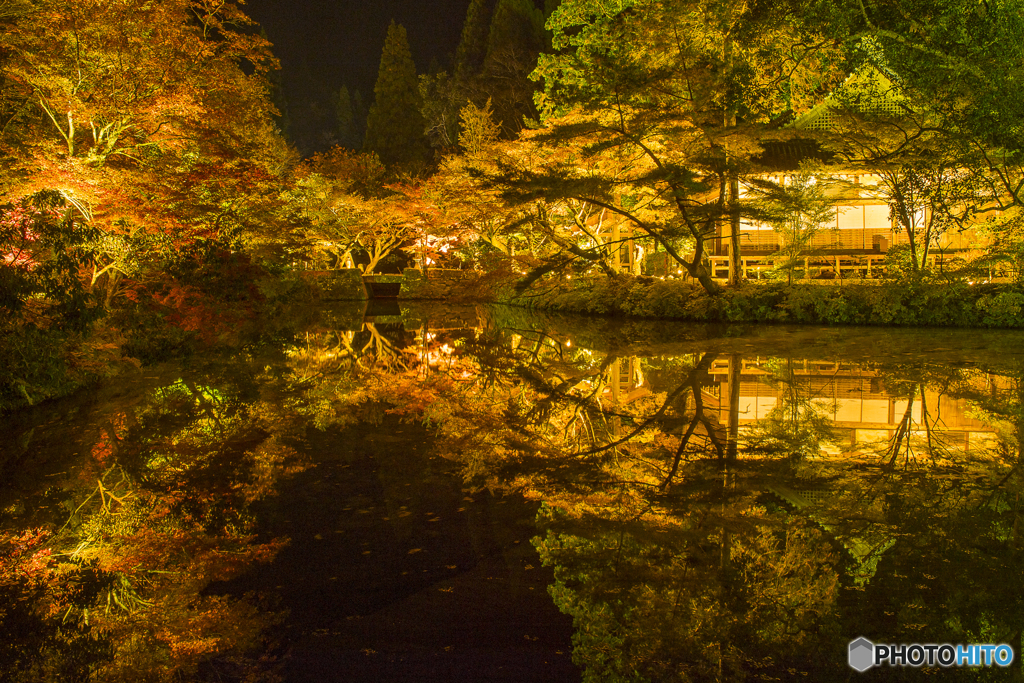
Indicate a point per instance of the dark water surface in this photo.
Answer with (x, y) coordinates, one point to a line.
(487, 494)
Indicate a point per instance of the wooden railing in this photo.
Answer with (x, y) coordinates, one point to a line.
(835, 267)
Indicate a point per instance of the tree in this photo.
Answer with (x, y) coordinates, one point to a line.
(42, 248)
(327, 187)
(348, 127)
(348, 215)
(477, 130)
(394, 126)
(442, 97)
(540, 236)
(469, 56)
(468, 213)
(871, 126)
(149, 129)
(797, 211)
(953, 65)
(515, 40)
(639, 102)
(275, 79)
(125, 97)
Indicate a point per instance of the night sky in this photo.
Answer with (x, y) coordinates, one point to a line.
(324, 44)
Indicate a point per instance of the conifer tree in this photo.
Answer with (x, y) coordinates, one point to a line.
(469, 56)
(359, 116)
(346, 119)
(275, 80)
(515, 40)
(395, 126)
(516, 24)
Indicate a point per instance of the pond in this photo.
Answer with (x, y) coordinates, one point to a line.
(487, 493)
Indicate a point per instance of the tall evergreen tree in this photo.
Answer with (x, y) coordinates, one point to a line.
(347, 133)
(516, 24)
(359, 116)
(515, 40)
(469, 56)
(395, 126)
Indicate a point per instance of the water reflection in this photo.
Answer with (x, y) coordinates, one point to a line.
(715, 504)
(716, 514)
(124, 510)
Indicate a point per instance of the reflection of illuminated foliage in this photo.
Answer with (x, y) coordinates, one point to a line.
(330, 370)
(120, 588)
(655, 560)
(683, 558)
(799, 424)
(668, 596)
(322, 370)
(679, 556)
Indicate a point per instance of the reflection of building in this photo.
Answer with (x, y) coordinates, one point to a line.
(854, 398)
(625, 382)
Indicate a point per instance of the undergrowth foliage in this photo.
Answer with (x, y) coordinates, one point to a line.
(903, 303)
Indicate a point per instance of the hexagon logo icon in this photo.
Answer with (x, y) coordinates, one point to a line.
(862, 654)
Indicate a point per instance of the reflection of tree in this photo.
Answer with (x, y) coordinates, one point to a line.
(902, 442)
(666, 560)
(652, 600)
(663, 553)
(116, 587)
(930, 538)
(384, 352)
(798, 425)
(683, 557)
(684, 547)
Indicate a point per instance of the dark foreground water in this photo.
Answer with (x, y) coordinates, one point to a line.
(485, 494)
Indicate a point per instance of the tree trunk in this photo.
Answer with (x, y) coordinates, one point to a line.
(699, 273)
(735, 262)
(732, 445)
(735, 270)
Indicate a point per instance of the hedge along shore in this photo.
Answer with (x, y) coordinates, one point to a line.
(889, 303)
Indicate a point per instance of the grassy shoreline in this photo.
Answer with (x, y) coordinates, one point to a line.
(906, 303)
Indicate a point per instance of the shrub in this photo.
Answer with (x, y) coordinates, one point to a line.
(897, 302)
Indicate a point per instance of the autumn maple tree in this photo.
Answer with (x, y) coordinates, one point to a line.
(146, 118)
(148, 128)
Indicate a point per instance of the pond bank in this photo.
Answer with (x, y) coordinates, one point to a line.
(891, 303)
(897, 303)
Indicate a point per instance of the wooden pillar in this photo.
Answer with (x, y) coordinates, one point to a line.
(616, 235)
(732, 444)
(735, 269)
